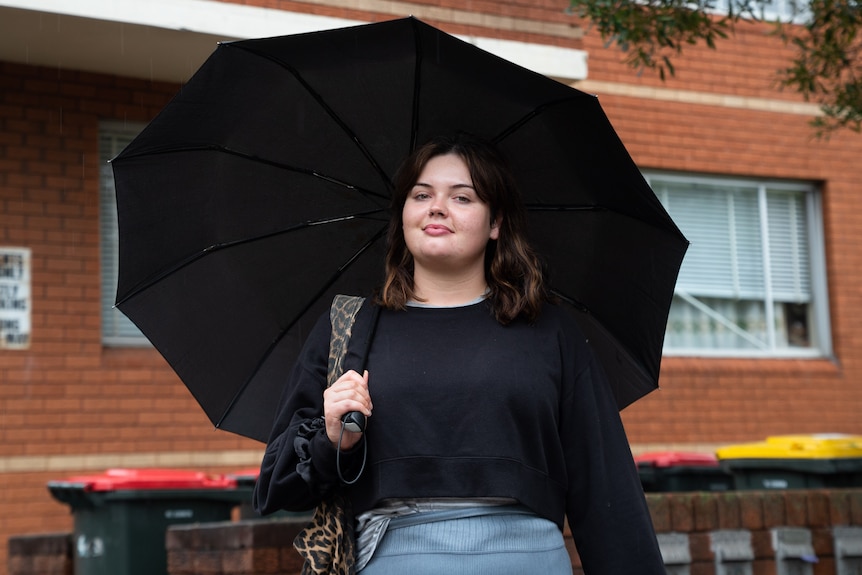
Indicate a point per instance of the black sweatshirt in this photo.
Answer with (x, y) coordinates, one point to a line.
(467, 407)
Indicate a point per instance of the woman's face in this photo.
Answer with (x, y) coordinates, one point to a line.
(446, 224)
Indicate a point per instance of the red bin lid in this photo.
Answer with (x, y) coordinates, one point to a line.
(139, 479)
(677, 458)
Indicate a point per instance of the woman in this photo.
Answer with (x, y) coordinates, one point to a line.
(489, 419)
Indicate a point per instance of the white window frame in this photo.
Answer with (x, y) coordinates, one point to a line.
(820, 318)
(117, 329)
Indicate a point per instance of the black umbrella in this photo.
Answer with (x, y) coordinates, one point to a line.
(262, 190)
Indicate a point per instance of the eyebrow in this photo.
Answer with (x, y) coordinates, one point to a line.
(453, 187)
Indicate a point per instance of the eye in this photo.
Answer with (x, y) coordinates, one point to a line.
(420, 195)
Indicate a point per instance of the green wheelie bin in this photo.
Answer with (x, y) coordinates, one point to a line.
(122, 515)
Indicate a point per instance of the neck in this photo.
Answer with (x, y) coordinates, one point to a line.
(443, 290)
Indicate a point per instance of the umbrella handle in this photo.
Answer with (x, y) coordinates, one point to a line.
(354, 421)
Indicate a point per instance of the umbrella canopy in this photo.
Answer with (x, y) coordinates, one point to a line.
(262, 190)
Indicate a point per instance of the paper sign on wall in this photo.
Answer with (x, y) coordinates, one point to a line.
(15, 301)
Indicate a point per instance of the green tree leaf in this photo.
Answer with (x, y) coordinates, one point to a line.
(826, 36)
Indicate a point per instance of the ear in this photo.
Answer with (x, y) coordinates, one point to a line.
(495, 227)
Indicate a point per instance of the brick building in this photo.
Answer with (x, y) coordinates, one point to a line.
(762, 339)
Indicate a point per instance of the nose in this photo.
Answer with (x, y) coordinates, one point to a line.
(437, 208)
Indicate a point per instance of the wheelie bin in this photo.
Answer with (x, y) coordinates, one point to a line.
(121, 516)
(795, 462)
(669, 471)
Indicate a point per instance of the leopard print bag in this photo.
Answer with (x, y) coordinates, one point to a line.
(327, 543)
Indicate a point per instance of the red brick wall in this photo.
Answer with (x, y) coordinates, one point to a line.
(42, 554)
(68, 398)
(67, 395)
(699, 514)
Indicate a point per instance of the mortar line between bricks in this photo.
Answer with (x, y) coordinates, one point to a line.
(240, 458)
(701, 98)
(86, 462)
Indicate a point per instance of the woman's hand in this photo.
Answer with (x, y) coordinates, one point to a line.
(348, 393)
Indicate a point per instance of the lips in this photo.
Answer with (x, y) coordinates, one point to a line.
(436, 230)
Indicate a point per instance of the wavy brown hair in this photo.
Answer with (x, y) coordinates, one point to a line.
(512, 269)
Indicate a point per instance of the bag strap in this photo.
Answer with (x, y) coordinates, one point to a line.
(342, 314)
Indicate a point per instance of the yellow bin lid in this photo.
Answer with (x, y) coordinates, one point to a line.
(817, 446)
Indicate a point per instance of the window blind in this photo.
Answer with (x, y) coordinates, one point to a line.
(725, 226)
(117, 329)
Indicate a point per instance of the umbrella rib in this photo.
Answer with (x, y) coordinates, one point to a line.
(564, 208)
(258, 159)
(380, 233)
(596, 208)
(581, 307)
(515, 126)
(220, 246)
(384, 177)
(577, 304)
(417, 77)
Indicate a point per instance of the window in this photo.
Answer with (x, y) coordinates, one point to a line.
(117, 329)
(795, 11)
(753, 282)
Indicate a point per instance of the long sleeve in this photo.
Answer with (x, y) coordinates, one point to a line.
(605, 505)
(299, 464)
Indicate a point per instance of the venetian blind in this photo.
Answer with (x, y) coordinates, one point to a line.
(117, 329)
(732, 242)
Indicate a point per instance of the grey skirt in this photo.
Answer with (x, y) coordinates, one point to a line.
(496, 544)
